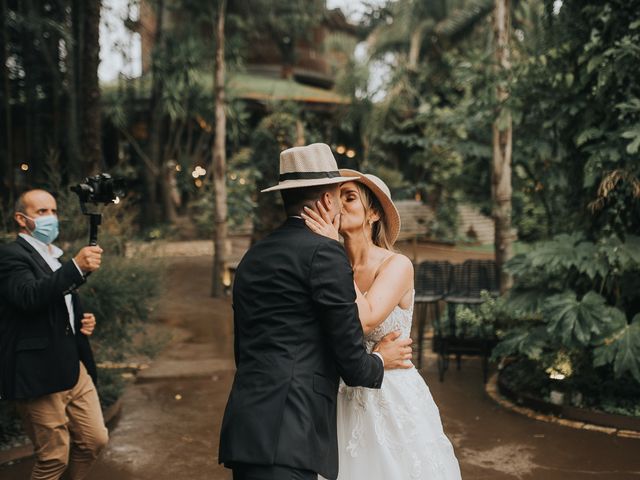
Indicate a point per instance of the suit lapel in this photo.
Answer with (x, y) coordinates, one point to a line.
(37, 258)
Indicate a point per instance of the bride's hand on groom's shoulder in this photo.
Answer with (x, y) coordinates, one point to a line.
(320, 222)
(395, 351)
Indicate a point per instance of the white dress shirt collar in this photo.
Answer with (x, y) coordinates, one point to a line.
(41, 247)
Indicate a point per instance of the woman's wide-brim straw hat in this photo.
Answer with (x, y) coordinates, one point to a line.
(383, 194)
(308, 166)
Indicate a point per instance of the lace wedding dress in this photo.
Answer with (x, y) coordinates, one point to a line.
(394, 433)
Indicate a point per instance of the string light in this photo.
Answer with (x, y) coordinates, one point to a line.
(198, 172)
(24, 167)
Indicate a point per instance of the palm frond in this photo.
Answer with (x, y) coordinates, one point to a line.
(463, 19)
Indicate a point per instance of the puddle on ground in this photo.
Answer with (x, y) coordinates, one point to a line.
(515, 460)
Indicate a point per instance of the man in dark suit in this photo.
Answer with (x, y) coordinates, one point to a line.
(296, 333)
(46, 363)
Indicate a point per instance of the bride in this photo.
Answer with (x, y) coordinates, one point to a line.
(395, 432)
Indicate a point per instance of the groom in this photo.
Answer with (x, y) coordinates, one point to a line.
(296, 333)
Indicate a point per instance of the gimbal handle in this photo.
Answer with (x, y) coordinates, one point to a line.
(95, 220)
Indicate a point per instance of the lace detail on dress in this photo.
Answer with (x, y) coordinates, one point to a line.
(398, 319)
(395, 417)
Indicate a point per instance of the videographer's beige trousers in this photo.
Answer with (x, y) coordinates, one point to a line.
(67, 430)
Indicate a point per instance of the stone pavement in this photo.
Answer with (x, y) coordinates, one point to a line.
(169, 426)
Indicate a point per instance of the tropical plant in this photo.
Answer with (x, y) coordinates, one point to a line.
(581, 287)
(433, 123)
(275, 133)
(577, 299)
(576, 102)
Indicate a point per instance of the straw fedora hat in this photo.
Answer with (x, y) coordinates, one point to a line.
(383, 194)
(308, 166)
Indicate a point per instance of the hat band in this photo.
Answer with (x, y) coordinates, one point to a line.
(308, 175)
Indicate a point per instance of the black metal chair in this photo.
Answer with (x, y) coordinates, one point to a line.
(431, 287)
(489, 277)
(466, 282)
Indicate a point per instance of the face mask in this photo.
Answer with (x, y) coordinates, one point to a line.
(46, 228)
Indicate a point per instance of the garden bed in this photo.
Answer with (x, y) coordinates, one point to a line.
(539, 403)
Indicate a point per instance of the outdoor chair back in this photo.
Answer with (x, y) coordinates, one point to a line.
(466, 281)
(431, 280)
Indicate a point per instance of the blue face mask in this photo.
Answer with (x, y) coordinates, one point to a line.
(47, 228)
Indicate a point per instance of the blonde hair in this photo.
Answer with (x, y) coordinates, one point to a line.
(370, 202)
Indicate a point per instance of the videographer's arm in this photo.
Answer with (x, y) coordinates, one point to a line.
(20, 287)
(88, 324)
(88, 259)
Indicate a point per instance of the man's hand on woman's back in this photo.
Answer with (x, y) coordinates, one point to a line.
(395, 351)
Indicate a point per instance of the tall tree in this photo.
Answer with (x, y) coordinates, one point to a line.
(219, 158)
(74, 42)
(90, 110)
(7, 169)
(502, 146)
(287, 22)
(155, 119)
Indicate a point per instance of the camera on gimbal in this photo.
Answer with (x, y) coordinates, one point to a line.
(99, 189)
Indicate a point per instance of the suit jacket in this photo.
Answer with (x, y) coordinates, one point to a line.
(39, 354)
(296, 333)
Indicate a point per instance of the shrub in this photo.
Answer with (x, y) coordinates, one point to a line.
(121, 296)
(574, 315)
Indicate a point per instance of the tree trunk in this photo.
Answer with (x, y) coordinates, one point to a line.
(219, 160)
(152, 178)
(300, 139)
(502, 147)
(414, 47)
(91, 138)
(171, 215)
(75, 28)
(8, 184)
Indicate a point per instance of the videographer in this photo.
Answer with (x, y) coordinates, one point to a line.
(46, 363)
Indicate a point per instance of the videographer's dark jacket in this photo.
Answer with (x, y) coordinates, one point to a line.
(39, 353)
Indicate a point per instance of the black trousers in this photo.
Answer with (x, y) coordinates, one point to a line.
(244, 471)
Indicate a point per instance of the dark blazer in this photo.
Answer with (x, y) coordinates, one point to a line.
(39, 354)
(296, 333)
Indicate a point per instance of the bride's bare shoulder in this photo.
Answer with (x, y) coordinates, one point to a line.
(399, 264)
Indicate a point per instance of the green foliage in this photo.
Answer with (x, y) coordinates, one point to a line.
(241, 178)
(120, 294)
(482, 321)
(575, 321)
(576, 90)
(583, 295)
(286, 21)
(10, 425)
(275, 133)
(592, 390)
(622, 349)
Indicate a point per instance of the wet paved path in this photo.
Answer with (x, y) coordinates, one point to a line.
(169, 426)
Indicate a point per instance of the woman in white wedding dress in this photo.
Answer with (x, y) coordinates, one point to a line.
(394, 433)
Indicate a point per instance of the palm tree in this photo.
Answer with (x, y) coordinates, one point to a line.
(502, 146)
(411, 27)
(219, 158)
